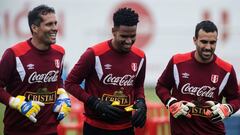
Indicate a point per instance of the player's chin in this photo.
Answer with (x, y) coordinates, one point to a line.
(206, 57)
(126, 50)
(52, 41)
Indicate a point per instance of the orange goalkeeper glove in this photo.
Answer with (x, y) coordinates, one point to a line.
(219, 111)
(179, 108)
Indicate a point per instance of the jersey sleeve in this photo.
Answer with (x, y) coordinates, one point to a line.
(7, 65)
(139, 84)
(79, 72)
(165, 83)
(232, 92)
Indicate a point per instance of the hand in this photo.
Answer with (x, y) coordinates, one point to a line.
(139, 116)
(178, 108)
(62, 105)
(219, 111)
(29, 109)
(106, 110)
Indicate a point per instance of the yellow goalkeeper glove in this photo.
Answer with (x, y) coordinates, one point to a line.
(62, 105)
(30, 109)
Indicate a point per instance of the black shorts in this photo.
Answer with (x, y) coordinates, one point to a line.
(90, 130)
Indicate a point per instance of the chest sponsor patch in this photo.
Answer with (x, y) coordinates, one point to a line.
(42, 95)
(117, 96)
(204, 111)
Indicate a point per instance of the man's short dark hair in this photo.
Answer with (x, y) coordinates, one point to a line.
(207, 26)
(34, 16)
(125, 16)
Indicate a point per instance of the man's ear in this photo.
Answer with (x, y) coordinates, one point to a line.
(34, 28)
(114, 30)
(195, 40)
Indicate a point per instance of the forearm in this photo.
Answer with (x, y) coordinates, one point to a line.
(75, 90)
(235, 103)
(139, 93)
(163, 93)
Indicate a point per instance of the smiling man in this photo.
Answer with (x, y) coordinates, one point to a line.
(114, 71)
(193, 86)
(30, 79)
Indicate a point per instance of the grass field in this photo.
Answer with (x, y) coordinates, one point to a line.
(150, 96)
(2, 108)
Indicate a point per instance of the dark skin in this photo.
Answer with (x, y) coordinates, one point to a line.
(124, 38)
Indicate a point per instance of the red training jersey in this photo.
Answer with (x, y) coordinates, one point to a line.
(25, 70)
(197, 82)
(110, 76)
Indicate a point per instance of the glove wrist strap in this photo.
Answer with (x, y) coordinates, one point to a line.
(230, 109)
(171, 101)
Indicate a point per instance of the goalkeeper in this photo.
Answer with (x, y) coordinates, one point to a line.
(30, 79)
(106, 81)
(193, 86)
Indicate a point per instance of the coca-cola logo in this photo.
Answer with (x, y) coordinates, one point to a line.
(51, 76)
(126, 80)
(204, 91)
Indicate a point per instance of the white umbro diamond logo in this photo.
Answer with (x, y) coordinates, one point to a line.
(107, 66)
(185, 75)
(30, 66)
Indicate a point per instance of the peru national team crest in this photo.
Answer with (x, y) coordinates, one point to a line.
(134, 67)
(214, 78)
(57, 63)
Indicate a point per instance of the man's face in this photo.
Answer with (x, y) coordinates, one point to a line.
(47, 31)
(124, 37)
(205, 45)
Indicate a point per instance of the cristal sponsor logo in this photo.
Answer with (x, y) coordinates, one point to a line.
(204, 91)
(45, 97)
(200, 111)
(124, 100)
(126, 80)
(51, 76)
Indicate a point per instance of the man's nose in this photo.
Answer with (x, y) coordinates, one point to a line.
(129, 40)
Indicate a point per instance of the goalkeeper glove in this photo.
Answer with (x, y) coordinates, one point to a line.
(107, 111)
(219, 111)
(139, 116)
(179, 108)
(62, 105)
(30, 109)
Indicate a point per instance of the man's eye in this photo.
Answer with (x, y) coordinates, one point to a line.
(210, 42)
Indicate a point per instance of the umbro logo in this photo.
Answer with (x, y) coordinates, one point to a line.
(185, 75)
(30, 66)
(107, 66)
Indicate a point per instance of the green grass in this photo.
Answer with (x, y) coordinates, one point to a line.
(150, 95)
(2, 109)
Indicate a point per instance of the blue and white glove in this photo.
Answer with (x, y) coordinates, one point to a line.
(30, 109)
(62, 105)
